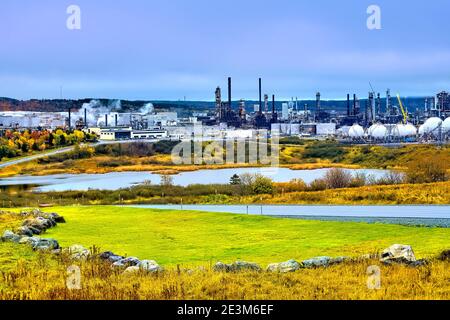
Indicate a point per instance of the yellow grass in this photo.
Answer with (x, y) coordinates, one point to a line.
(45, 278)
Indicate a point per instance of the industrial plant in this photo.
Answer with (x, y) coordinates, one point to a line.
(374, 119)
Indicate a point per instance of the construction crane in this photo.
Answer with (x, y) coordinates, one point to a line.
(404, 111)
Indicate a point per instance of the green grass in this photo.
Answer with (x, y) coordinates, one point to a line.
(194, 238)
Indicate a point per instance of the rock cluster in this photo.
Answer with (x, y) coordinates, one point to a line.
(36, 223)
(402, 254)
(130, 264)
(237, 266)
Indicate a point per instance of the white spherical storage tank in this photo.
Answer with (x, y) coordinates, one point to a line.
(446, 125)
(410, 130)
(377, 131)
(399, 131)
(431, 125)
(421, 130)
(356, 131)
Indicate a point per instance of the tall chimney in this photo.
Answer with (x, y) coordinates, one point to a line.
(229, 93)
(106, 120)
(348, 105)
(273, 105)
(115, 120)
(70, 118)
(260, 98)
(85, 118)
(354, 105)
(318, 102)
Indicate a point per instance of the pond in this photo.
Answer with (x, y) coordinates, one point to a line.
(118, 180)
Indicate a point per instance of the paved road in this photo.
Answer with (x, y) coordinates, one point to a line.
(67, 149)
(34, 157)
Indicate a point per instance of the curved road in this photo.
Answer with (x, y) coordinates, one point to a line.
(67, 149)
(36, 156)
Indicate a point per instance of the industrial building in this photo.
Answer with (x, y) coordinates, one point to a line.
(371, 119)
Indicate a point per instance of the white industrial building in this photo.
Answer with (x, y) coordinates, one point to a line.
(28, 119)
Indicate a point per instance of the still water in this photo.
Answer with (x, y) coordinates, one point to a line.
(118, 180)
(431, 216)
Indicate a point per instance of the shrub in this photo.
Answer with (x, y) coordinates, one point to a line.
(325, 150)
(295, 185)
(318, 185)
(427, 170)
(166, 180)
(337, 178)
(114, 163)
(392, 177)
(262, 185)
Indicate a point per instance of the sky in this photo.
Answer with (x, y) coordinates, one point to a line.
(178, 49)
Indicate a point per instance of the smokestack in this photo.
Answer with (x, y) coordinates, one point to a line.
(273, 105)
(348, 105)
(354, 105)
(260, 98)
(106, 120)
(229, 92)
(85, 118)
(70, 118)
(115, 119)
(318, 102)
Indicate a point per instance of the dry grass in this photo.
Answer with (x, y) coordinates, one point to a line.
(32, 275)
(45, 279)
(429, 193)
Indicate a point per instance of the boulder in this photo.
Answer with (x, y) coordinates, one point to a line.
(46, 245)
(284, 267)
(150, 266)
(317, 262)
(126, 262)
(339, 260)
(222, 267)
(110, 257)
(9, 236)
(78, 252)
(39, 224)
(29, 240)
(245, 266)
(25, 231)
(132, 270)
(57, 218)
(398, 253)
(445, 255)
(236, 267)
(418, 263)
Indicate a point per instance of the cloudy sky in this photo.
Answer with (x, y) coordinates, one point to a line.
(171, 49)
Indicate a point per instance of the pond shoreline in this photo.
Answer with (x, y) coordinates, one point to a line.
(118, 180)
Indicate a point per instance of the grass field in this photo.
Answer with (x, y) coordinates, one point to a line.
(198, 238)
(194, 239)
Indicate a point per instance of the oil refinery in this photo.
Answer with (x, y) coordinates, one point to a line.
(374, 119)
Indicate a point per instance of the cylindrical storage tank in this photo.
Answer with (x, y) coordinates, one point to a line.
(446, 125)
(377, 131)
(356, 131)
(431, 125)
